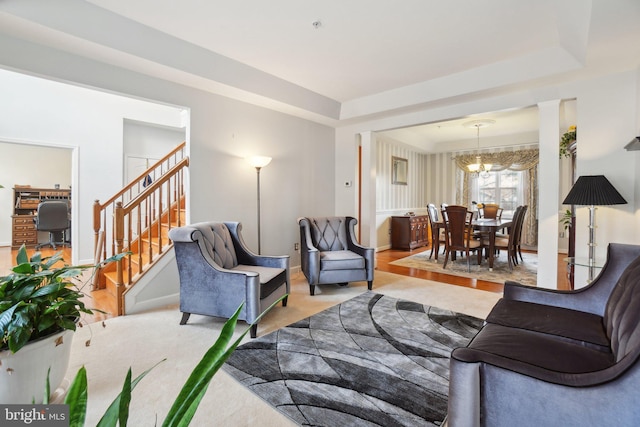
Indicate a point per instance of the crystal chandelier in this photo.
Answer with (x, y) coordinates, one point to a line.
(478, 168)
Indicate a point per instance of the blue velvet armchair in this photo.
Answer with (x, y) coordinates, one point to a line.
(330, 253)
(218, 273)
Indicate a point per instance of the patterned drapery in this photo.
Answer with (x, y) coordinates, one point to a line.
(519, 160)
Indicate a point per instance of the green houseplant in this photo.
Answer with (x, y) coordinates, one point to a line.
(567, 138)
(185, 404)
(41, 301)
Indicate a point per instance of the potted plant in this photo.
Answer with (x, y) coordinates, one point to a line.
(41, 303)
(567, 139)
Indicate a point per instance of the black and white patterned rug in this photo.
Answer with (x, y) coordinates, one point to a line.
(371, 361)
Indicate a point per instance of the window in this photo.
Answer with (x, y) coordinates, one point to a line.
(504, 188)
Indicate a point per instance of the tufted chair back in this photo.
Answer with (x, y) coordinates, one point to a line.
(329, 233)
(216, 241)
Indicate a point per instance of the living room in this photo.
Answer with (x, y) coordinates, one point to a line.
(314, 142)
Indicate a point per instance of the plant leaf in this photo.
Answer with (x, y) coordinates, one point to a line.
(76, 398)
(125, 400)
(22, 257)
(185, 405)
(199, 379)
(110, 416)
(47, 389)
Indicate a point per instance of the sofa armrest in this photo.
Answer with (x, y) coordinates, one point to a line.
(591, 298)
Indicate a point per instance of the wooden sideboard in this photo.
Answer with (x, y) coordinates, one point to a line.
(410, 231)
(25, 208)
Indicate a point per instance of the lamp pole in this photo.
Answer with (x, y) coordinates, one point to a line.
(592, 242)
(259, 233)
(258, 162)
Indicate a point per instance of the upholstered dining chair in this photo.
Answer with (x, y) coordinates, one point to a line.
(459, 234)
(508, 242)
(437, 230)
(490, 211)
(330, 253)
(218, 273)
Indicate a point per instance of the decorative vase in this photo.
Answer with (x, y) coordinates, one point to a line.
(23, 375)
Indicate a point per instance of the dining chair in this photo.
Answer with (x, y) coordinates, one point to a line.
(490, 211)
(508, 242)
(437, 230)
(459, 234)
(520, 227)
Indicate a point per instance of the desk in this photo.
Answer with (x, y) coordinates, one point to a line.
(491, 226)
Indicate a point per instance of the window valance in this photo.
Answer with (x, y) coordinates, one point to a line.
(518, 160)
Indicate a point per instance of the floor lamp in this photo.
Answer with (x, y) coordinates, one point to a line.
(592, 191)
(258, 162)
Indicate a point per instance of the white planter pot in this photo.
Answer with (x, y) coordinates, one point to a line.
(23, 375)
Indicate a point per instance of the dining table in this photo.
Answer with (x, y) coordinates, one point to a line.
(491, 227)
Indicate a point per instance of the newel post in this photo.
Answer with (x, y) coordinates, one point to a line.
(96, 225)
(118, 226)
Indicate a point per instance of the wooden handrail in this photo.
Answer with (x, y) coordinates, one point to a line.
(133, 220)
(144, 174)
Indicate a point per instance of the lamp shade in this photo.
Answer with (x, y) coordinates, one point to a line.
(593, 190)
(258, 161)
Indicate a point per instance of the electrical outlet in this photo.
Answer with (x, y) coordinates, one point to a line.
(296, 246)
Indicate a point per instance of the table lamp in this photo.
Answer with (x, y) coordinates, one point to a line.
(592, 191)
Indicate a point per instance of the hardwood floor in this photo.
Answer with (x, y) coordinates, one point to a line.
(96, 299)
(384, 258)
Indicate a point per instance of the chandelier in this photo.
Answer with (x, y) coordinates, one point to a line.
(478, 168)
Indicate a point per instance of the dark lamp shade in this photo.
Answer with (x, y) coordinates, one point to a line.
(593, 190)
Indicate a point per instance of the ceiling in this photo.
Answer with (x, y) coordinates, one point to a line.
(338, 62)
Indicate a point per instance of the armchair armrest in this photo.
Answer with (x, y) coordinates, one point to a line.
(309, 254)
(246, 257)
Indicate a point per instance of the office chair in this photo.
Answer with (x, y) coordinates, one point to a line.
(53, 216)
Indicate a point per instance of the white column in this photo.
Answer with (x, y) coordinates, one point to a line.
(548, 193)
(368, 190)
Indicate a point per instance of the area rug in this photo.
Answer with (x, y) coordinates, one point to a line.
(525, 272)
(372, 360)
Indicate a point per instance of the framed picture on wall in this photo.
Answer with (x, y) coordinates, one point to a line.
(399, 168)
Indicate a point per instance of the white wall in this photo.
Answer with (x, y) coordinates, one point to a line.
(298, 182)
(27, 164)
(89, 122)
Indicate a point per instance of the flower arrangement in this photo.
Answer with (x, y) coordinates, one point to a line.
(568, 137)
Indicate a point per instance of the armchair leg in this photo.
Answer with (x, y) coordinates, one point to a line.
(185, 317)
(370, 284)
(312, 289)
(284, 301)
(254, 331)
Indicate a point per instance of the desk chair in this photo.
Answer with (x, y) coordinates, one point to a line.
(53, 216)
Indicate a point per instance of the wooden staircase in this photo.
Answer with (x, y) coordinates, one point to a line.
(137, 221)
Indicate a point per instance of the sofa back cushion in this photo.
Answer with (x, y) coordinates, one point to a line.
(329, 233)
(622, 313)
(216, 241)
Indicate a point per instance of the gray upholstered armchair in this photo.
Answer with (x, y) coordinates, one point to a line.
(330, 253)
(218, 273)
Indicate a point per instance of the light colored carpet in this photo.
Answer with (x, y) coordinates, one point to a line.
(525, 272)
(141, 340)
